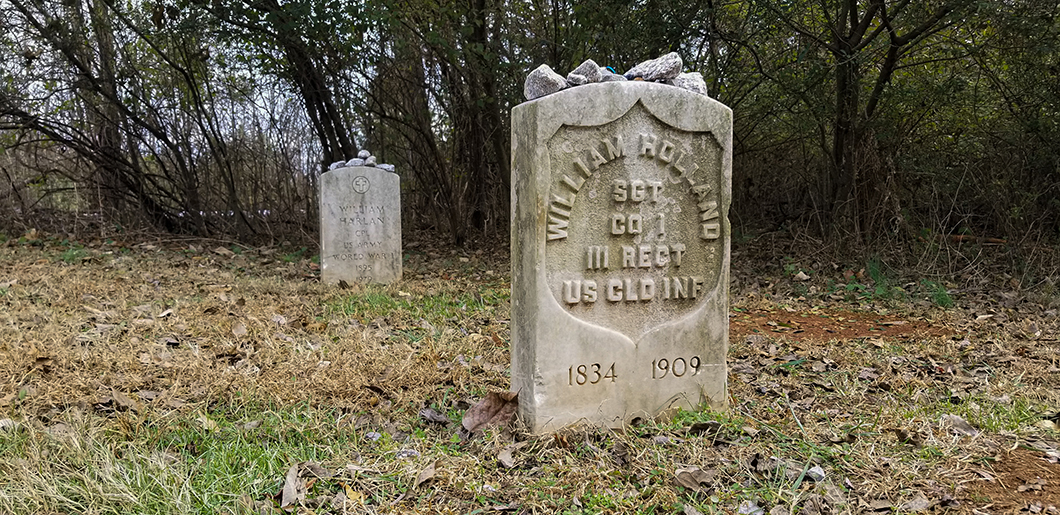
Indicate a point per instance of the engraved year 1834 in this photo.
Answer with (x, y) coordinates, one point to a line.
(581, 375)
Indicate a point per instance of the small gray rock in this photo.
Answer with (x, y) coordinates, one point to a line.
(586, 73)
(610, 76)
(384, 167)
(916, 504)
(363, 154)
(543, 81)
(691, 81)
(816, 473)
(355, 162)
(750, 508)
(662, 68)
(369, 161)
(576, 80)
(336, 164)
(958, 425)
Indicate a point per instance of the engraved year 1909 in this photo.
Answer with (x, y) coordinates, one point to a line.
(679, 367)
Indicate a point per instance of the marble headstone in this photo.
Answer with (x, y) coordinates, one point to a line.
(620, 253)
(360, 225)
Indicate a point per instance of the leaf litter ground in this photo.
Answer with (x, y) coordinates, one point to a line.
(177, 376)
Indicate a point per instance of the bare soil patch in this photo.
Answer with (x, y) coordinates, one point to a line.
(826, 324)
(1021, 480)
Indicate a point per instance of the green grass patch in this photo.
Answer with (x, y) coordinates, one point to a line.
(73, 252)
(295, 256)
(190, 463)
(982, 412)
(375, 302)
(937, 293)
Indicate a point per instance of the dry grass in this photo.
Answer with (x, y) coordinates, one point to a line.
(182, 378)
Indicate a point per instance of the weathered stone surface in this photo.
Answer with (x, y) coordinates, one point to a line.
(620, 253)
(586, 73)
(363, 154)
(662, 68)
(337, 164)
(369, 161)
(360, 226)
(355, 162)
(610, 76)
(543, 81)
(577, 80)
(691, 81)
(389, 168)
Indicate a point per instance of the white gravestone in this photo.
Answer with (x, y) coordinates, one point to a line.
(620, 253)
(360, 225)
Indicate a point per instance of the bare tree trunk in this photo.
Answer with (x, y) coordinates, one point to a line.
(307, 76)
(103, 117)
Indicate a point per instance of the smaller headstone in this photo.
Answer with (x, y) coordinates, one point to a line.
(543, 81)
(360, 225)
(691, 81)
(660, 69)
(363, 154)
(586, 73)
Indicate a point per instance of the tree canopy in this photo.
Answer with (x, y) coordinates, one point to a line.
(858, 119)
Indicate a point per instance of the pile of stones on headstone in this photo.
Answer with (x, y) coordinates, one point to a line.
(666, 69)
(364, 158)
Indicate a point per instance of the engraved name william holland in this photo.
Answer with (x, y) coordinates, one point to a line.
(620, 253)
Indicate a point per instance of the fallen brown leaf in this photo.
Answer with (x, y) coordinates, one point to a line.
(958, 425)
(878, 505)
(694, 478)
(208, 424)
(294, 487)
(497, 409)
(425, 475)
(709, 428)
(124, 401)
(430, 415)
(506, 458)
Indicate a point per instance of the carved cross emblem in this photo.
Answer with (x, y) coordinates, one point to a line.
(361, 184)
